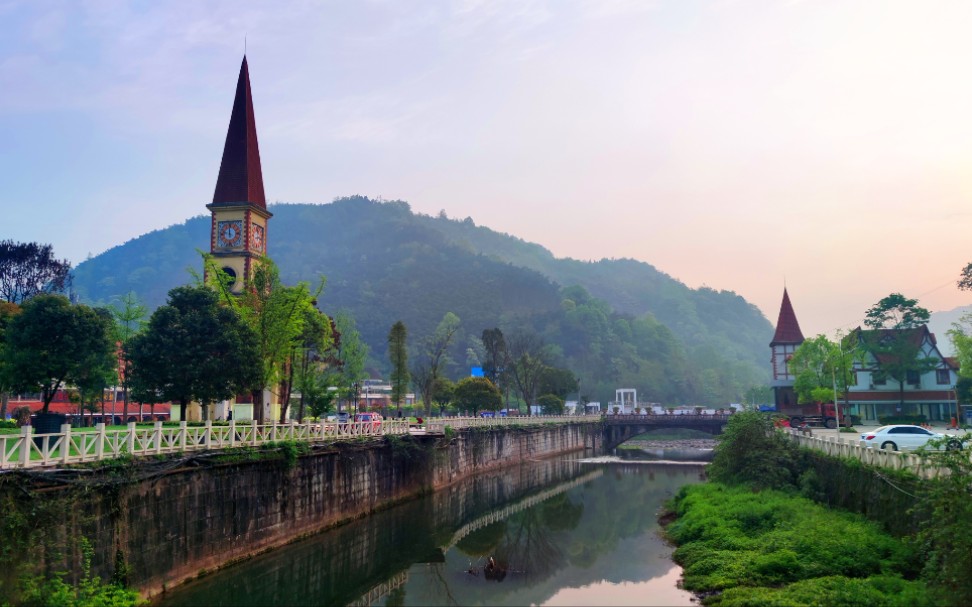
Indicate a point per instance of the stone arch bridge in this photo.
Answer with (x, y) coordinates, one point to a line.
(620, 428)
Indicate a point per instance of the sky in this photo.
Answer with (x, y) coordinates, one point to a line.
(736, 144)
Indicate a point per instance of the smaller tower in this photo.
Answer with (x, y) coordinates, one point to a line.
(785, 342)
(238, 235)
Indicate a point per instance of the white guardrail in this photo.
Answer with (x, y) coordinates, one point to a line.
(72, 445)
(919, 464)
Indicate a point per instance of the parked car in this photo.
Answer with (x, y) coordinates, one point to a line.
(374, 418)
(903, 437)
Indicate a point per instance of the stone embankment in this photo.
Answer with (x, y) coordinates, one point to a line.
(170, 520)
(689, 443)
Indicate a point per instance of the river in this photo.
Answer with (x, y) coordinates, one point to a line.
(566, 531)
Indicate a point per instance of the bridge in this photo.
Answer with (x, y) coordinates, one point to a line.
(620, 428)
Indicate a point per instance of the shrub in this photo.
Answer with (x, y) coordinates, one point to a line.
(750, 452)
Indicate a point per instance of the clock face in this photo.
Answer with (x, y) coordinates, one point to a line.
(229, 233)
(259, 242)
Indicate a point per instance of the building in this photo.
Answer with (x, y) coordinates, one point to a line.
(786, 340)
(238, 236)
(874, 394)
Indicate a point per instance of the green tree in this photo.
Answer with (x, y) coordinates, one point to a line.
(527, 357)
(894, 340)
(559, 382)
(275, 313)
(52, 343)
(433, 358)
(818, 364)
(478, 394)
(551, 404)
(896, 312)
(194, 348)
(129, 316)
(7, 312)
(310, 357)
(965, 278)
(398, 354)
(758, 395)
(28, 269)
(751, 452)
(494, 349)
(443, 393)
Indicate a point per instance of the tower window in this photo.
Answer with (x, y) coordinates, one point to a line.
(231, 274)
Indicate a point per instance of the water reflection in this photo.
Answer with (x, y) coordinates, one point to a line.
(558, 532)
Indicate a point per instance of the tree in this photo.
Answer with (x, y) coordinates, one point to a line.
(433, 357)
(965, 278)
(478, 394)
(351, 354)
(310, 356)
(194, 348)
(527, 359)
(896, 312)
(551, 404)
(443, 393)
(7, 312)
(558, 382)
(274, 312)
(53, 342)
(818, 364)
(129, 321)
(28, 269)
(494, 360)
(398, 354)
(895, 340)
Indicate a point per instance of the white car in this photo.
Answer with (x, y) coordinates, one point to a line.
(903, 437)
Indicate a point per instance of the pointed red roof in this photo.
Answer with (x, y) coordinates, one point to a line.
(240, 177)
(787, 327)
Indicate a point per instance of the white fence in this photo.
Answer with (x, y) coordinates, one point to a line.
(72, 446)
(920, 464)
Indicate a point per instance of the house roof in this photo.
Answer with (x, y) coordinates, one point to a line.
(915, 336)
(240, 176)
(787, 328)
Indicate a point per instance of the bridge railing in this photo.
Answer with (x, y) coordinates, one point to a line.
(662, 420)
(438, 425)
(71, 445)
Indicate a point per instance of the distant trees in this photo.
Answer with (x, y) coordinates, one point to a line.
(551, 404)
(194, 348)
(398, 355)
(352, 353)
(28, 269)
(52, 343)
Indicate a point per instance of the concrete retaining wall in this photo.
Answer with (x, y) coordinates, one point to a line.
(202, 515)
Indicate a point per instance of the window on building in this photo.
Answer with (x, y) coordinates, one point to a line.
(854, 381)
(912, 378)
(942, 377)
(879, 378)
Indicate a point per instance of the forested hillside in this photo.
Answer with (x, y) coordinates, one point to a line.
(615, 323)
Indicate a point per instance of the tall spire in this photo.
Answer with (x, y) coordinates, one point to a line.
(787, 327)
(240, 176)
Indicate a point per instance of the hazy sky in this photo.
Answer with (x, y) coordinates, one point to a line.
(731, 143)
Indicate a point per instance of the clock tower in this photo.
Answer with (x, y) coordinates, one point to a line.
(238, 236)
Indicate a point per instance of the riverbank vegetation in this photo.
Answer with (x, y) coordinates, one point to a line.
(768, 529)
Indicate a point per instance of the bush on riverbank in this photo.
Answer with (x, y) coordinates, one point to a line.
(775, 548)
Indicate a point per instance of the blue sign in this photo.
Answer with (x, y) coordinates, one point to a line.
(476, 372)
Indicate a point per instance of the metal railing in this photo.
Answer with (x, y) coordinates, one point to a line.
(437, 425)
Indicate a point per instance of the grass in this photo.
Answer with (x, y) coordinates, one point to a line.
(774, 548)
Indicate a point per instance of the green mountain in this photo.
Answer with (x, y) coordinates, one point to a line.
(616, 323)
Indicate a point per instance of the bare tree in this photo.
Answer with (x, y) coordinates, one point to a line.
(28, 269)
(434, 355)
